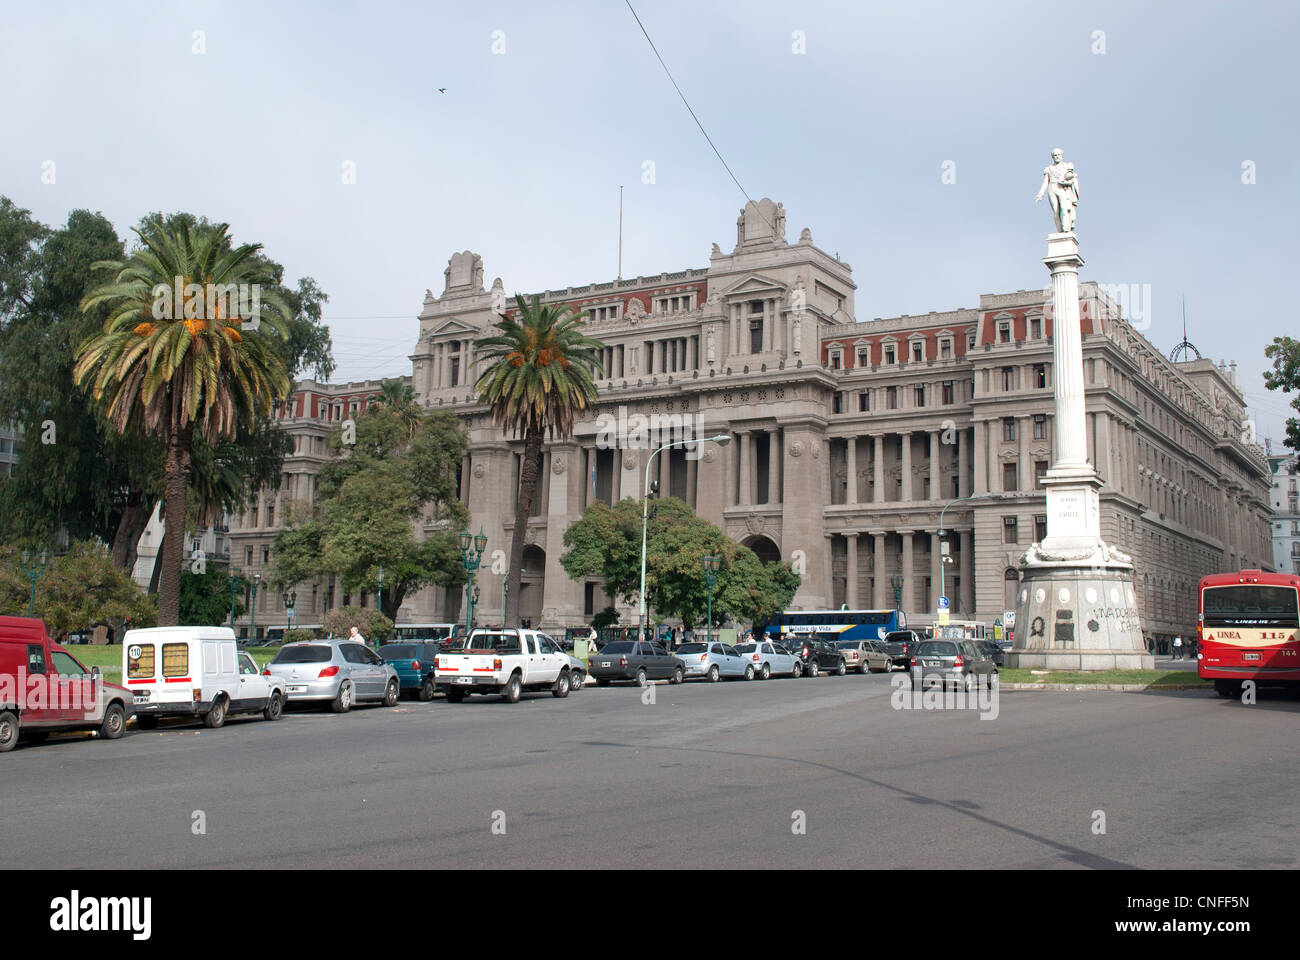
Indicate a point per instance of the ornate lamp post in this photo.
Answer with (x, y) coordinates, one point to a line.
(381, 589)
(476, 595)
(721, 440)
(505, 597)
(33, 570)
(289, 599)
(711, 565)
(896, 581)
(252, 610)
(471, 554)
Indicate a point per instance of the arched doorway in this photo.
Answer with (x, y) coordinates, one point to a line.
(764, 549)
(532, 585)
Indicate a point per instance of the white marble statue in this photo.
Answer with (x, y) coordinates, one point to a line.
(1061, 185)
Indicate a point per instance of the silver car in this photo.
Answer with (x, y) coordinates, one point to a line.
(769, 658)
(959, 662)
(713, 661)
(338, 672)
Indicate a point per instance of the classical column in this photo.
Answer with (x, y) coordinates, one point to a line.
(665, 468)
(935, 492)
(963, 455)
(692, 354)
(905, 469)
(1105, 460)
(851, 588)
(746, 471)
(692, 479)
(851, 463)
(995, 465)
(829, 554)
(1025, 471)
(879, 598)
(909, 573)
(936, 561)
(773, 466)
(980, 446)
(966, 562)
(769, 325)
(878, 469)
(616, 476)
(1067, 352)
(588, 454)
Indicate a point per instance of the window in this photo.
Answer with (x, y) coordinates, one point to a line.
(945, 348)
(248, 556)
(1009, 530)
(176, 659)
(920, 396)
(835, 359)
(837, 403)
(891, 398)
(1009, 429)
(1040, 528)
(864, 357)
(970, 342)
(1040, 375)
(35, 659)
(756, 335)
(1040, 471)
(918, 352)
(948, 392)
(140, 667)
(270, 515)
(1004, 331)
(1008, 379)
(1035, 328)
(266, 555)
(864, 402)
(1040, 426)
(890, 356)
(1009, 478)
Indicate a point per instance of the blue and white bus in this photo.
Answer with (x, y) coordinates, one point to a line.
(836, 625)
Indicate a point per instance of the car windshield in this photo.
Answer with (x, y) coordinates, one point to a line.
(618, 646)
(399, 651)
(305, 653)
(937, 648)
(691, 648)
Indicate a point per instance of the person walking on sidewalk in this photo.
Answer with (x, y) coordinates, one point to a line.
(1178, 648)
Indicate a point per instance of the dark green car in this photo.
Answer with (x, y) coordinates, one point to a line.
(413, 662)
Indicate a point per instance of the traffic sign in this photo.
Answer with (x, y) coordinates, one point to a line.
(943, 603)
(288, 612)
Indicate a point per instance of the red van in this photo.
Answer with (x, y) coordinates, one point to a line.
(44, 689)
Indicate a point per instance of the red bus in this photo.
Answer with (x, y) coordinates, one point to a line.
(1248, 630)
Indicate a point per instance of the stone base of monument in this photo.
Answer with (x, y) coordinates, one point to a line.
(1078, 612)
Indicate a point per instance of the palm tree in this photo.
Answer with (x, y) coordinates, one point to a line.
(539, 374)
(180, 370)
(399, 397)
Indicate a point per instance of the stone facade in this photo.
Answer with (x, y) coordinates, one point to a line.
(850, 437)
(1285, 473)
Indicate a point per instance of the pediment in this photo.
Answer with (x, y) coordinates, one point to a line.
(754, 283)
(451, 327)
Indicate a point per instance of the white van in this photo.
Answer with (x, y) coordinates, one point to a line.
(195, 672)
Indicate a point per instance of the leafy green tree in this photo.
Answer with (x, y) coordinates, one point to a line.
(606, 543)
(1285, 376)
(374, 626)
(538, 375)
(205, 597)
(78, 591)
(370, 499)
(182, 372)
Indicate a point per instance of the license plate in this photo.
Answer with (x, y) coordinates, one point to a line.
(604, 663)
(1250, 656)
(299, 688)
(464, 679)
(934, 663)
(140, 699)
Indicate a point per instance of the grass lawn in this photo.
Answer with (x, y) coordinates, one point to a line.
(1156, 678)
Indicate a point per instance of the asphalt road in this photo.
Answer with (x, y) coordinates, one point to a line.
(706, 776)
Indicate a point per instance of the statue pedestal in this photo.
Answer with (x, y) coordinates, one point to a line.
(1076, 608)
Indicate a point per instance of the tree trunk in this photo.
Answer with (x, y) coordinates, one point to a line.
(132, 523)
(531, 465)
(176, 472)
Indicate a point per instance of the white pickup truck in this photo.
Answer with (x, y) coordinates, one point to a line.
(506, 662)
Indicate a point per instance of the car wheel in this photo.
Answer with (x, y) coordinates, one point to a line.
(455, 695)
(513, 688)
(812, 668)
(678, 675)
(427, 689)
(749, 671)
(864, 668)
(841, 669)
(576, 680)
(148, 722)
(275, 708)
(798, 670)
(561, 688)
(641, 677)
(767, 671)
(342, 701)
(392, 694)
(8, 730)
(714, 676)
(214, 717)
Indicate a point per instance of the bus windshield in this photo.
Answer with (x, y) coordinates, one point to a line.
(1249, 605)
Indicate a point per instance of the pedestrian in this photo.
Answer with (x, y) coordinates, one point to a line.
(1178, 648)
(355, 635)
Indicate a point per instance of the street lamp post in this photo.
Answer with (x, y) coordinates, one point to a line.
(381, 589)
(711, 564)
(505, 597)
(476, 596)
(471, 554)
(34, 569)
(252, 610)
(943, 538)
(721, 440)
(289, 599)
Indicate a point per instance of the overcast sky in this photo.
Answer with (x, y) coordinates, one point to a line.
(550, 107)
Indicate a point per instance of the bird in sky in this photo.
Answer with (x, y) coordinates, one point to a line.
(442, 89)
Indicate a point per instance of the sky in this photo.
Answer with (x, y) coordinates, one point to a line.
(909, 137)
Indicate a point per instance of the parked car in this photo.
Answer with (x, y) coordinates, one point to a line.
(71, 698)
(414, 665)
(817, 655)
(770, 658)
(900, 644)
(505, 662)
(959, 662)
(340, 673)
(993, 650)
(639, 661)
(858, 654)
(713, 661)
(195, 672)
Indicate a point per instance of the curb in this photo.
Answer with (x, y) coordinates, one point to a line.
(1116, 687)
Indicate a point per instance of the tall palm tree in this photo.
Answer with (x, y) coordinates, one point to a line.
(539, 375)
(399, 397)
(180, 370)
